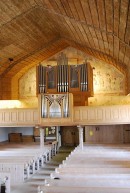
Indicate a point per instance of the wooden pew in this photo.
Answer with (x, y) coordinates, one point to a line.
(95, 169)
(22, 162)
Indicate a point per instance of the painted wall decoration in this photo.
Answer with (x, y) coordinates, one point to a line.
(27, 84)
(109, 82)
(107, 79)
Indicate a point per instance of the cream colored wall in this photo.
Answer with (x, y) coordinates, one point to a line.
(27, 89)
(27, 84)
(109, 83)
(103, 100)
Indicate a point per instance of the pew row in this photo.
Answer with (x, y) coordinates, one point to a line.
(95, 169)
(24, 161)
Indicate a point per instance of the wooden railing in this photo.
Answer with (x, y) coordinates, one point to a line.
(18, 117)
(101, 115)
(82, 115)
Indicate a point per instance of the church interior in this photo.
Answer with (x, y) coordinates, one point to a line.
(64, 91)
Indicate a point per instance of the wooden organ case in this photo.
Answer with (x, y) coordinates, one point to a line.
(64, 78)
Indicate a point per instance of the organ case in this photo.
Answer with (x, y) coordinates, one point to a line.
(64, 78)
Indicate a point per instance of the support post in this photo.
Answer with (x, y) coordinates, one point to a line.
(41, 138)
(80, 136)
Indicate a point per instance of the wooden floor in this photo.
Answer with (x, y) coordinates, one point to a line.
(95, 169)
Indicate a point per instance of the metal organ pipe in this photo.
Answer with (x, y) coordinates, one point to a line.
(84, 72)
(86, 78)
(41, 79)
(81, 78)
(67, 81)
(58, 78)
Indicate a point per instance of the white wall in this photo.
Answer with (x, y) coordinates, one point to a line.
(4, 131)
(3, 134)
(23, 130)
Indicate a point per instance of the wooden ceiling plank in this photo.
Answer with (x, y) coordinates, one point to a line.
(116, 47)
(67, 8)
(88, 33)
(74, 10)
(116, 9)
(41, 3)
(79, 9)
(32, 2)
(122, 52)
(77, 29)
(56, 7)
(87, 12)
(22, 27)
(110, 40)
(61, 8)
(123, 18)
(83, 33)
(9, 9)
(69, 29)
(75, 35)
(101, 14)
(47, 4)
(127, 33)
(127, 56)
(100, 40)
(10, 34)
(35, 28)
(102, 23)
(94, 13)
(94, 36)
(88, 39)
(105, 40)
(109, 15)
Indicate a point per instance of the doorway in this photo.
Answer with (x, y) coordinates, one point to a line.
(69, 136)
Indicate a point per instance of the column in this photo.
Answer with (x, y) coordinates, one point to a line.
(41, 138)
(80, 136)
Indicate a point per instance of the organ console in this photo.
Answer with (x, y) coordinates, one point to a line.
(64, 78)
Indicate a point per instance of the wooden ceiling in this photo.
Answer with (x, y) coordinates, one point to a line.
(34, 30)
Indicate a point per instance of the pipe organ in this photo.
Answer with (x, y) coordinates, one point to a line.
(64, 78)
(54, 105)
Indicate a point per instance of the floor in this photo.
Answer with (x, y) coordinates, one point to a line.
(31, 185)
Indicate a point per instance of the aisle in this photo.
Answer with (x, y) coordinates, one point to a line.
(31, 185)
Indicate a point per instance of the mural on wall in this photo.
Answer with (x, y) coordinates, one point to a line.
(108, 81)
(27, 84)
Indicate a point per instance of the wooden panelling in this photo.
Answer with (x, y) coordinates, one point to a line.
(18, 117)
(104, 134)
(82, 115)
(102, 115)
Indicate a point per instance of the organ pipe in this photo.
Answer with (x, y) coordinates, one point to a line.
(64, 76)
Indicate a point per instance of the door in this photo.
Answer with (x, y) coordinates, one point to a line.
(69, 136)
